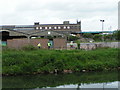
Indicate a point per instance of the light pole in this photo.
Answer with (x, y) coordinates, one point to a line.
(102, 29)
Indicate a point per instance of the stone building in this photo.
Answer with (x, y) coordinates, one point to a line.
(65, 28)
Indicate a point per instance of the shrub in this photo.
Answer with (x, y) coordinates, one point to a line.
(72, 38)
(87, 35)
(116, 35)
(16, 62)
(97, 37)
(29, 47)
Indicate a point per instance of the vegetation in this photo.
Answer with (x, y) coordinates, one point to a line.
(97, 37)
(116, 35)
(46, 61)
(87, 35)
(72, 38)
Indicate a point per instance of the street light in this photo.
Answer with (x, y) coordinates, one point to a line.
(102, 29)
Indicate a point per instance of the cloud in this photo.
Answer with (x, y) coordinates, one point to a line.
(56, 11)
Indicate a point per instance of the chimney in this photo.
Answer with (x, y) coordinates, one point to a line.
(66, 22)
(36, 23)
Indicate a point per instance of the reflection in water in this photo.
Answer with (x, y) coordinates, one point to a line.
(74, 80)
(91, 85)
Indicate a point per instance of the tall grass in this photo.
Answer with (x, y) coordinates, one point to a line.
(41, 61)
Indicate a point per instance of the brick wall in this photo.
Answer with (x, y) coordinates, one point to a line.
(43, 42)
(60, 43)
(19, 43)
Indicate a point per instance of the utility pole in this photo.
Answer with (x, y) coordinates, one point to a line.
(102, 29)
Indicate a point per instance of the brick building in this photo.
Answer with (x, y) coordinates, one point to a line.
(12, 34)
(65, 28)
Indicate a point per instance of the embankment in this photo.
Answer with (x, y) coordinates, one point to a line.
(16, 62)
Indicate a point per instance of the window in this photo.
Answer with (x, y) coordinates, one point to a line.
(50, 27)
(49, 32)
(55, 27)
(37, 28)
(46, 28)
(64, 27)
(68, 27)
(59, 27)
(40, 27)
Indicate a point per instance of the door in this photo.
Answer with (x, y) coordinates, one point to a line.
(51, 42)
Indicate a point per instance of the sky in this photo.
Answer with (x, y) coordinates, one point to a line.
(89, 12)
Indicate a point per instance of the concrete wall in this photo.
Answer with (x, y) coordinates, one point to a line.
(19, 43)
(90, 46)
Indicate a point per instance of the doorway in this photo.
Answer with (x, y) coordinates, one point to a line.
(52, 43)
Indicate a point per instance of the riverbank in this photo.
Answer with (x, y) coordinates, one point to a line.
(20, 62)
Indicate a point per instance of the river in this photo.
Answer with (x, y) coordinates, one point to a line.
(73, 81)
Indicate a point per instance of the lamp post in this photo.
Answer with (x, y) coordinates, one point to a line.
(102, 29)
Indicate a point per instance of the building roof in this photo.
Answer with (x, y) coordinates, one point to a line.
(47, 33)
(32, 33)
(97, 32)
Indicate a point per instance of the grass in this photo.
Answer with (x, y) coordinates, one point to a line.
(45, 61)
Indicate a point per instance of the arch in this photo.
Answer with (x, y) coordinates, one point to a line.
(5, 35)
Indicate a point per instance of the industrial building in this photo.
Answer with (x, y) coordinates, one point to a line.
(13, 32)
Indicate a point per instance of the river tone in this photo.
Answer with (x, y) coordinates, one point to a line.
(73, 80)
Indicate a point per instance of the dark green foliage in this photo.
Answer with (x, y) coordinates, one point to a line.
(116, 35)
(72, 38)
(108, 37)
(29, 47)
(97, 37)
(38, 61)
(87, 35)
(50, 37)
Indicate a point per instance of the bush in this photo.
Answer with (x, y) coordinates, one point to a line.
(87, 35)
(116, 35)
(72, 38)
(97, 37)
(24, 62)
(108, 37)
(29, 47)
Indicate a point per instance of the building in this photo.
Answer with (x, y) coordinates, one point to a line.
(65, 28)
(28, 32)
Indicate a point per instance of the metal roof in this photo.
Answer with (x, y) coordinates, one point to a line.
(97, 32)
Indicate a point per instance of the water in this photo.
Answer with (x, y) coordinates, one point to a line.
(74, 81)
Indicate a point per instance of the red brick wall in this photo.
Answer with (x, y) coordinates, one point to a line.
(60, 43)
(19, 43)
(43, 42)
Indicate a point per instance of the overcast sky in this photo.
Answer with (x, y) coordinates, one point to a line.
(26, 12)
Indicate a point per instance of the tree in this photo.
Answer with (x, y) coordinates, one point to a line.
(116, 35)
(108, 37)
(87, 35)
(97, 37)
(72, 38)
(78, 44)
